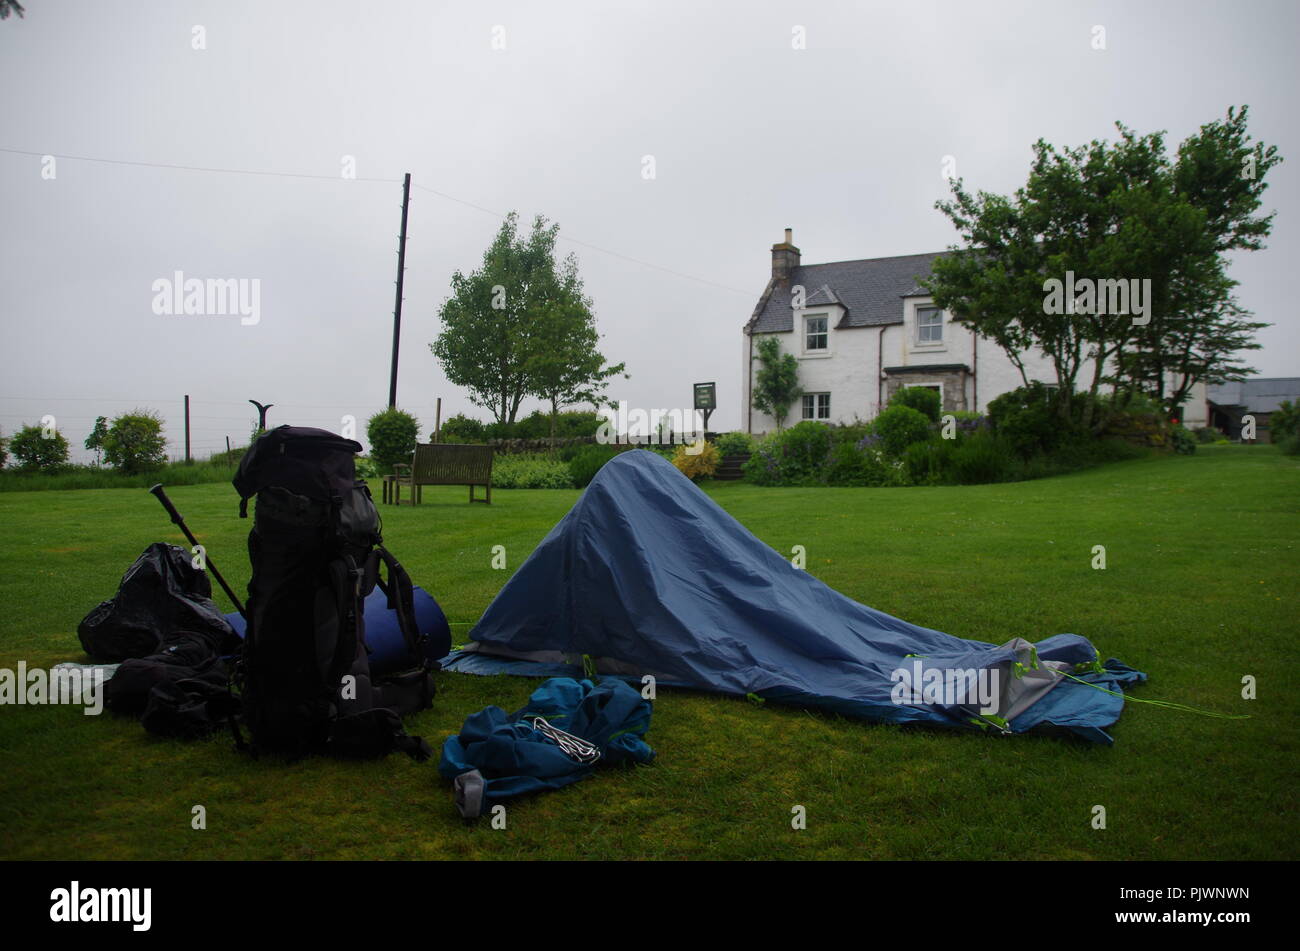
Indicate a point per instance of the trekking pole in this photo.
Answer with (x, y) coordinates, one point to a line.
(176, 517)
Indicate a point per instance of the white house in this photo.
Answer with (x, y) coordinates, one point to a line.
(863, 329)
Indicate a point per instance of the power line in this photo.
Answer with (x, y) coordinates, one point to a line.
(592, 247)
(391, 181)
(195, 168)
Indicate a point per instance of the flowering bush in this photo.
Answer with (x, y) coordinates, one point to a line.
(700, 465)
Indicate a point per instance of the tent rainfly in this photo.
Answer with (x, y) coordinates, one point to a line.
(647, 575)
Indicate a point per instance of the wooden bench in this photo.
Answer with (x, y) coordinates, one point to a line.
(443, 464)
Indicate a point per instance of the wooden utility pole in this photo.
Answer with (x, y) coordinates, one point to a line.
(187, 427)
(397, 306)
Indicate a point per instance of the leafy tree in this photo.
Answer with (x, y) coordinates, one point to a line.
(135, 442)
(10, 6)
(776, 384)
(491, 325)
(1120, 211)
(4, 452)
(565, 367)
(98, 436)
(35, 450)
(393, 434)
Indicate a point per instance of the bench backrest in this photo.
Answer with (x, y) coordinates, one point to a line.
(451, 464)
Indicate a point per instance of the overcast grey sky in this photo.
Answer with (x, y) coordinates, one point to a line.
(842, 141)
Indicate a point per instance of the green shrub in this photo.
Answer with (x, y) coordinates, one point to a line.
(574, 424)
(804, 450)
(761, 467)
(852, 433)
(1081, 452)
(900, 426)
(4, 451)
(100, 477)
(923, 399)
(794, 456)
(462, 429)
(135, 442)
(1206, 434)
(393, 434)
(1141, 428)
(1182, 440)
(586, 462)
(228, 457)
(981, 458)
(523, 470)
(856, 464)
(734, 444)
(813, 453)
(929, 462)
(1284, 422)
(537, 425)
(1027, 418)
(500, 431)
(35, 451)
(366, 468)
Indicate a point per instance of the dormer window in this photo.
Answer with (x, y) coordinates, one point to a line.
(815, 337)
(929, 325)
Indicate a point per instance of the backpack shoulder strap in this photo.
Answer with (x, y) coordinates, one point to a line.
(401, 598)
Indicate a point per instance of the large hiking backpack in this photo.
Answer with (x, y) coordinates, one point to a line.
(316, 552)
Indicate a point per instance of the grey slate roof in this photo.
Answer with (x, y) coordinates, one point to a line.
(1258, 395)
(872, 291)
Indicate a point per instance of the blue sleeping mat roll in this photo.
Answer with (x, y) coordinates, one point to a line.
(384, 636)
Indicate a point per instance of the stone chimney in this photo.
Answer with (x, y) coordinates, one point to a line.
(785, 258)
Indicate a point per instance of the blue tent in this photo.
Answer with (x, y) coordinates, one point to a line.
(646, 575)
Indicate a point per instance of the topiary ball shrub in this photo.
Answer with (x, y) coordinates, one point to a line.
(900, 426)
(393, 435)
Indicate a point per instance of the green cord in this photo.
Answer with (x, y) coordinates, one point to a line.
(1158, 703)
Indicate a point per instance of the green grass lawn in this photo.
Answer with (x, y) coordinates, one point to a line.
(1199, 591)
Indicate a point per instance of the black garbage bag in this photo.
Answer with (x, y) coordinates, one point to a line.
(160, 595)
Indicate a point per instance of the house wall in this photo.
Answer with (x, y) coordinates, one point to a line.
(847, 371)
(1196, 409)
(850, 370)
